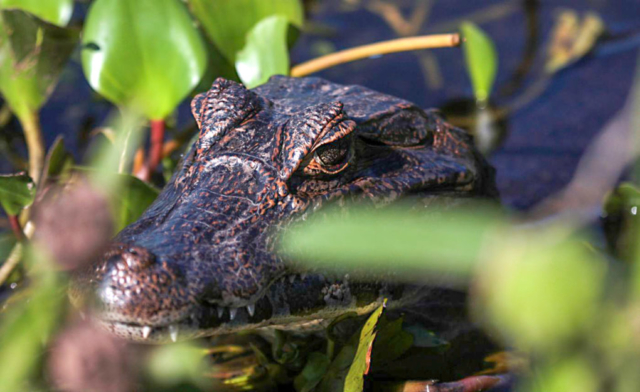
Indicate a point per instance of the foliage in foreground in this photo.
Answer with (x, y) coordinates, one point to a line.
(545, 291)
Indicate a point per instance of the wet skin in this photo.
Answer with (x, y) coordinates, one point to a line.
(202, 259)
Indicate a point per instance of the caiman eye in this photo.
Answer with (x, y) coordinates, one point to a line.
(332, 154)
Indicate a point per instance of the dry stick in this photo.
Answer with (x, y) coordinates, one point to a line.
(362, 52)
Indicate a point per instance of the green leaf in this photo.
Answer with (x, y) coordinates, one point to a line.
(391, 342)
(16, 192)
(312, 373)
(33, 55)
(265, 53)
(133, 197)
(143, 53)
(541, 289)
(58, 162)
(622, 200)
(227, 22)
(27, 326)
(569, 374)
(424, 338)
(360, 366)
(364, 240)
(57, 12)
(115, 155)
(481, 59)
(174, 364)
(7, 242)
(343, 369)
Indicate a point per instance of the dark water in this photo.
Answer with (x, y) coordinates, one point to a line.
(546, 137)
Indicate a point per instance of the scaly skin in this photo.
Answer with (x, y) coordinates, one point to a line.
(202, 260)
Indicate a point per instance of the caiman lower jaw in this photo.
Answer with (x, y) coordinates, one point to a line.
(290, 302)
(191, 325)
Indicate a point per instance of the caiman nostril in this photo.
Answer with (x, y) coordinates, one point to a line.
(136, 259)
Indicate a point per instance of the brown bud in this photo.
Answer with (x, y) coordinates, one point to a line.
(86, 358)
(73, 224)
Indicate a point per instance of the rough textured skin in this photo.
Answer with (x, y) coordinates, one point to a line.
(201, 259)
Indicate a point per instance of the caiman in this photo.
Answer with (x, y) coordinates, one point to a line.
(202, 259)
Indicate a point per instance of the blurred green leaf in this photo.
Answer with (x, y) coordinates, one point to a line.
(621, 221)
(114, 157)
(143, 53)
(131, 200)
(129, 197)
(360, 365)
(7, 242)
(541, 289)
(16, 192)
(33, 55)
(625, 197)
(569, 374)
(481, 59)
(265, 53)
(312, 373)
(27, 325)
(227, 22)
(363, 240)
(57, 12)
(174, 364)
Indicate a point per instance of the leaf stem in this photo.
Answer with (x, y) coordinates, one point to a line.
(16, 255)
(155, 150)
(157, 140)
(35, 144)
(16, 227)
(361, 52)
(12, 261)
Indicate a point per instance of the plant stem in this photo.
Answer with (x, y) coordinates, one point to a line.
(155, 150)
(12, 261)
(157, 140)
(361, 52)
(15, 256)
(35, 144)
(16, 227)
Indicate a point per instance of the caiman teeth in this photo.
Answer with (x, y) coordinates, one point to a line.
(220, 311)
(251, 309)
(146, 331)
(232, 313)
(173, 332)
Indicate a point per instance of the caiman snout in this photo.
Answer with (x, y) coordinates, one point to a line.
(134, 291)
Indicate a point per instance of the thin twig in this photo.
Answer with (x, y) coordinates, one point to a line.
(362, 52)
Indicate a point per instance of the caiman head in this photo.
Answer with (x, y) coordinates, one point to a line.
(201, 260)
